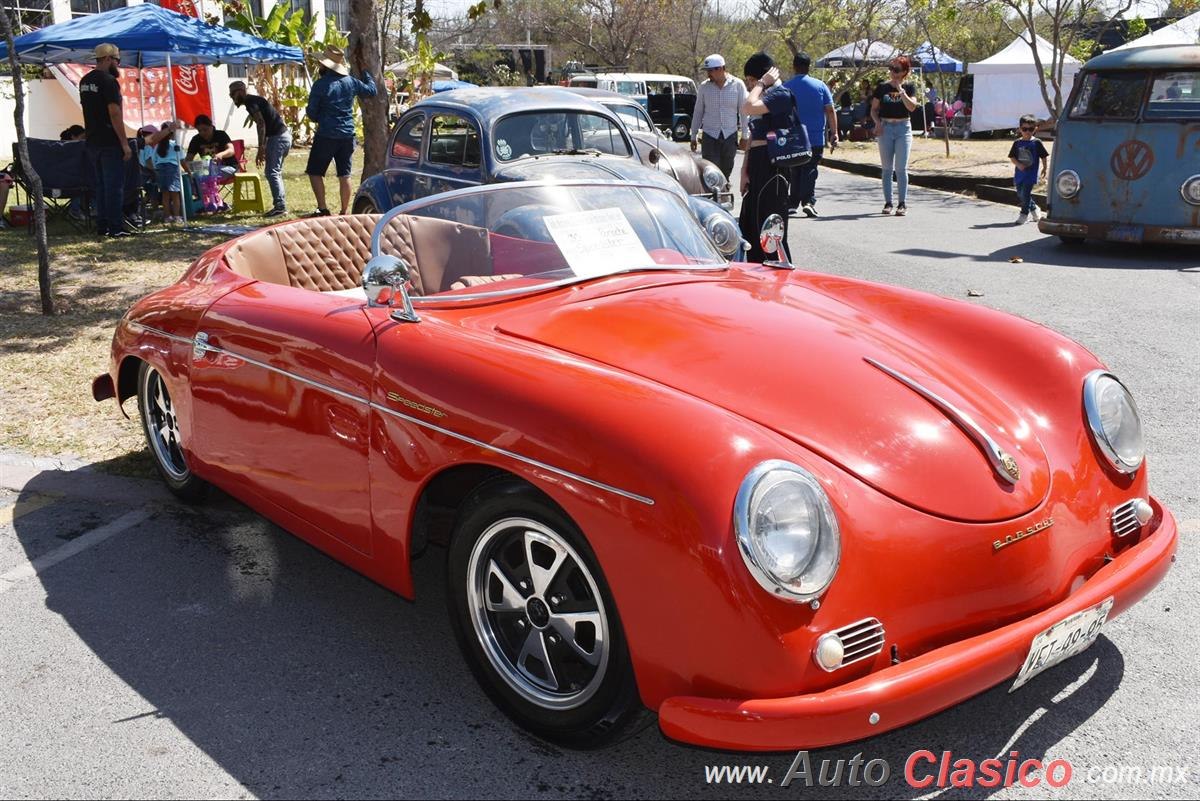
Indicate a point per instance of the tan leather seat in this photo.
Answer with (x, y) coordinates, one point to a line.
(327, 254)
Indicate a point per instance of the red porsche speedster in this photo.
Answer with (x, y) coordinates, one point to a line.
(779, 508)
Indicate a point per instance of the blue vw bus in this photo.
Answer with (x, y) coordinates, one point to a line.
(1126, 163)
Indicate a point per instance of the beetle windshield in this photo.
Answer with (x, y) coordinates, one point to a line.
(634, 117)
(514, 238)
(539, 133)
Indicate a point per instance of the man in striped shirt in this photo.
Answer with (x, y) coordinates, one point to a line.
(718, 115)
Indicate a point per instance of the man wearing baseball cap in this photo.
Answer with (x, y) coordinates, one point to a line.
(107, 146)
(717, 115)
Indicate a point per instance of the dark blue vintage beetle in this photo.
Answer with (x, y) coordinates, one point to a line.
(468, 137)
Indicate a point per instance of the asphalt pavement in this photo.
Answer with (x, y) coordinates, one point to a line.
(149, 649)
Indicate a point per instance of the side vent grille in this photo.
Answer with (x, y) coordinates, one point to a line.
(861, 640)
(1124, 518)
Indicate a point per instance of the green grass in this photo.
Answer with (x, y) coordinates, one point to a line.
(47, 363)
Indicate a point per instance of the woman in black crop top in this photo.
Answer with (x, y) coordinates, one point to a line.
(892, 103)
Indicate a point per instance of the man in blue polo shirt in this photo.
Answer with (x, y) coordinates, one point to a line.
(814, 103)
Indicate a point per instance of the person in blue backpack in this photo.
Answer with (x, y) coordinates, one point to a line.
(814, 104)
(765, 187)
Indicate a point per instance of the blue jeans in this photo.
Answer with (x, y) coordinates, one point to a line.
(1025, 197)
(277, 150)
(804, 180)
(895, 142)
(108, 167)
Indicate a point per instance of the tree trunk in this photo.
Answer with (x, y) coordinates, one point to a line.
(365, 57)
(39, 201)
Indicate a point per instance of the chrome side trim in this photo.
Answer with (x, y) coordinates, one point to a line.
(995, 454)
(524, 459)
(162, 333)
(202, 344)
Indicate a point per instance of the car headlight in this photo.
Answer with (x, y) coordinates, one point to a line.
(1113, 419)
(714, 179)
(1067, 183)
(787, 531)
(1191, 190)
(724, 232)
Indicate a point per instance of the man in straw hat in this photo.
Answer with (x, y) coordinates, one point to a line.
(107, 147)
(331, 107)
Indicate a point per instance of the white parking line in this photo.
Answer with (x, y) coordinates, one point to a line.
(32, 568)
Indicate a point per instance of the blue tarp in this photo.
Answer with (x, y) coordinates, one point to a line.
(147, 34)
(928, 58)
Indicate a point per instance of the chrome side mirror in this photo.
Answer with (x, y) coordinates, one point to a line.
(771, 240)
(390, 273)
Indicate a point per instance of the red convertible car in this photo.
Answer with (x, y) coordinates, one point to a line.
(778, 508)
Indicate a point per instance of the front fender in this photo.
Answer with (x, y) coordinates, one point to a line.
(373, 189)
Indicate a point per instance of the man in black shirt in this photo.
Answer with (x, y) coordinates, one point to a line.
(210, 141)
(107, 146)
(274, 141)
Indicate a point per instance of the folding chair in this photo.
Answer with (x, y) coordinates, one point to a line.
(65, 173)
(226, 184)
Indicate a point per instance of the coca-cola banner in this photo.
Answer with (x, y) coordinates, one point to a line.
(192, 94)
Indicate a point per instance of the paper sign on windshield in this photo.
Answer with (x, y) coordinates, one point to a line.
(597, 242)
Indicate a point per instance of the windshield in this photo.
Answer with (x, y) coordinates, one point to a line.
(1112, 95)
(634, 117)
(514, 238)
(538, 133)
(1175, 95)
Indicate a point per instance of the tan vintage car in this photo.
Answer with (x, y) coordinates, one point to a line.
(698, 176)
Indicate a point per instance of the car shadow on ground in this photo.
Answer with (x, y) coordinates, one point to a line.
(299, 678)
(1092, 255)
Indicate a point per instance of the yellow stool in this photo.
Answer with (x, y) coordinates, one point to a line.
(249, 193)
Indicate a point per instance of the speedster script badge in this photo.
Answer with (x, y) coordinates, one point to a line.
(1017, 536)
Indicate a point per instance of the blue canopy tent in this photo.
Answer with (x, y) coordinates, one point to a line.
(148, 36)
(928, 58)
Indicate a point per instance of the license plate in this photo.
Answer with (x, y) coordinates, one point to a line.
(1125, 233)
(1063, 640)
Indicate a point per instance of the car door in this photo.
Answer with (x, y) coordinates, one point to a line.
(452, 158)
(280, 398)
(403, 158)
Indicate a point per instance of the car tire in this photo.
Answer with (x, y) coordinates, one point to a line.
(535, 619)
(161, 427)
(682, 130)
(365, 206)
(1071, 240)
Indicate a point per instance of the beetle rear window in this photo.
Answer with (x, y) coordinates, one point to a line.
(1111, 95)
(539, 133)
(1175, 95)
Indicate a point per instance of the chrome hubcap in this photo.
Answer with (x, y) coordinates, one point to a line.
(163, 426)
(538, 613)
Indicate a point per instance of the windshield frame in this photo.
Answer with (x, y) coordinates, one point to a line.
(608, 115)
(503, 294)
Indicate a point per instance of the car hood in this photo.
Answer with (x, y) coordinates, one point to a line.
(795, 361)
(584, 168)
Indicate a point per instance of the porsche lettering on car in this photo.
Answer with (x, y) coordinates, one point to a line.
(777, 508)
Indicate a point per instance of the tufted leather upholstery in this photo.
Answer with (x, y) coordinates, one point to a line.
(326, 254)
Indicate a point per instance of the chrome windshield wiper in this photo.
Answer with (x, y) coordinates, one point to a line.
(576, 151)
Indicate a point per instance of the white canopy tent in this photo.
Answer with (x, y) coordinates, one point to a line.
(1185, 31)
(1007, 85)
(440, 71)
(856, 54)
